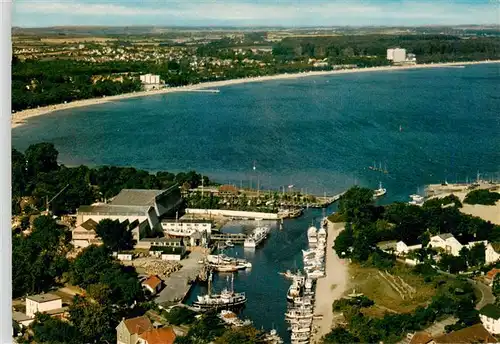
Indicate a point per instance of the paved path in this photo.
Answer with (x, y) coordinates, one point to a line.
(329, 288)
(176, 285)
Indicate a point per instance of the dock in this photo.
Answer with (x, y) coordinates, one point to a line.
(177, 285)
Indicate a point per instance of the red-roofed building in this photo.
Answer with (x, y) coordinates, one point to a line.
(153, 284)
(164, 335)
(490, 276)
(129, 330)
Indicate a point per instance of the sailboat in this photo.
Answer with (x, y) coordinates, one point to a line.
(380, 191)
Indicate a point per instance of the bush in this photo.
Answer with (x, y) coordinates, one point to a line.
(484, 197)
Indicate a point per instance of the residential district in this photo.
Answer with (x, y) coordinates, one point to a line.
(435, 273)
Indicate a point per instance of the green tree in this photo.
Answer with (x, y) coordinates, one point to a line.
(95, 322)
(115, 235)
(41, 158)
(355, 204)
(482, 196)
(477, 255)
(47, 329)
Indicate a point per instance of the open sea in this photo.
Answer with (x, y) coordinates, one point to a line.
(320, 133)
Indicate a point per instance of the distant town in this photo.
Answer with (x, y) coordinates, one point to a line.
(55, 66)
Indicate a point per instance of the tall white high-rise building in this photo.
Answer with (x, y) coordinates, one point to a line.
(396, 54)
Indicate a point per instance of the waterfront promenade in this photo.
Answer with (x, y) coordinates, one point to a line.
(330, 287)
(176, 285)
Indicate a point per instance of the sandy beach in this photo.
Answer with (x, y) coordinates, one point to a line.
(331, 287)
(486, 212)
(20, 117)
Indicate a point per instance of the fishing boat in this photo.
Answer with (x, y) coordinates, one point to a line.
(227, 299)
(380, 191)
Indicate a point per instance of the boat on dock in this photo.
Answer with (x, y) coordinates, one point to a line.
(227, 299)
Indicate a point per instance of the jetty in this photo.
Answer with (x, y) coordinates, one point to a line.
(202, 90)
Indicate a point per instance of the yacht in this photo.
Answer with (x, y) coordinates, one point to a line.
(229, 243)
(322, 234)
(258, 235)
(380, 191)
(273, 338)
(312, 235)
(225, 300)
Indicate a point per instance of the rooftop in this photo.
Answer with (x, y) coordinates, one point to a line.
(152, 281)
(473, 334)
(40, 298)
(491, 311)
(186, 221)
(445, 236)
(110, 209)
(19, 316)
(421, 338)
(138, 324)
(165, 335)
(136, 197)
(89, 225)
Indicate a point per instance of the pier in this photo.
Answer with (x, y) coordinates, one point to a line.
(177, 284)
(203, 91)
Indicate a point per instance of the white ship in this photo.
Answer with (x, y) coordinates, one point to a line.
(312, 236)
(258, 235)
(380, 191)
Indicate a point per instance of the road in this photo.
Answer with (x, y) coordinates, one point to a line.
(486, 292)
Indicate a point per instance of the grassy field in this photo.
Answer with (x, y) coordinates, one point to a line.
(398, 292)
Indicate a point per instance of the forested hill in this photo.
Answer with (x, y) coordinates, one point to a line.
(428, 48)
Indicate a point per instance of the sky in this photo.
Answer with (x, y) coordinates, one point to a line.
(294, 13)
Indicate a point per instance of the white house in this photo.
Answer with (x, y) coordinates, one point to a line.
(490, 317)
(492, 255)
(153, 284)
(85, 235)
(401, 247)
(447, 242)
(42, 303)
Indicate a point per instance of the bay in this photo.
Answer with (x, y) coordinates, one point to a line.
(320, 133)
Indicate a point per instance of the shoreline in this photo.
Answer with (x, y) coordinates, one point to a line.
(329, 288)
(19, 118)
